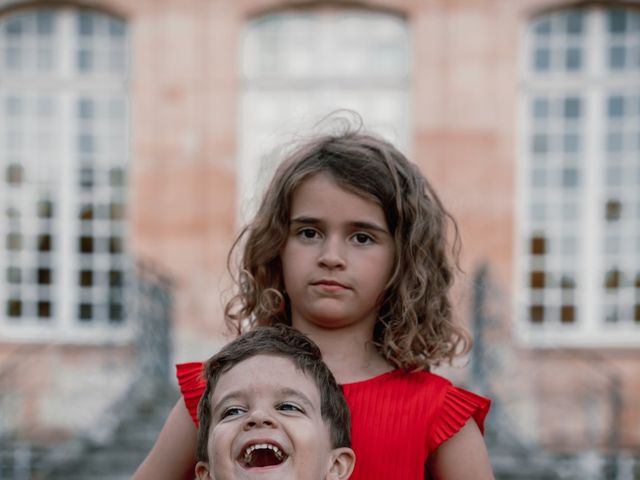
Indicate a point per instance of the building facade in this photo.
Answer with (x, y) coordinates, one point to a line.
(144, 131)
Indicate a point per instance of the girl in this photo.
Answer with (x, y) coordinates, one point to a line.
(350, 247)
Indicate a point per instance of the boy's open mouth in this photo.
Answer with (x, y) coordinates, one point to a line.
(262, 455)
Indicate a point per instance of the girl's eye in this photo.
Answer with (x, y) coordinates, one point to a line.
(362, 238)
(289, 407)
(308, 233)
(231, 412)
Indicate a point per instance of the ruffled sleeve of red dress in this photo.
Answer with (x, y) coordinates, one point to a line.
(458, 407)
(192, 385)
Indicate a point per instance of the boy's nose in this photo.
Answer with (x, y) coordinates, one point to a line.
(259, 419)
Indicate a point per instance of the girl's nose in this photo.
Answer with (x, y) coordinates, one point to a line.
(259, 419)
(332, 255)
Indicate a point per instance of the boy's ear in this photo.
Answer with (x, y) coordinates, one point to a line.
(341, 464)
(202, 471)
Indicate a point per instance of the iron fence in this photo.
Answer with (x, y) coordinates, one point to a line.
(124, 374)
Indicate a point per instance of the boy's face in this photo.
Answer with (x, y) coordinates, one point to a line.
(266, 424)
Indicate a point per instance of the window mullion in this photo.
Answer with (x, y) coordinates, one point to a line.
(594, 155)
(66, 317)
(592, 226)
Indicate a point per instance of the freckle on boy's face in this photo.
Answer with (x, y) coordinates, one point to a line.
(267, 424)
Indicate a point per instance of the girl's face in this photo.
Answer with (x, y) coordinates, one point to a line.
(337, 258)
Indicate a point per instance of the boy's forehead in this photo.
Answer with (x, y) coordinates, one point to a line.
(277, 372)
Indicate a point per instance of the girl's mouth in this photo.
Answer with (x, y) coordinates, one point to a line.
(261, 455)
(330, 285)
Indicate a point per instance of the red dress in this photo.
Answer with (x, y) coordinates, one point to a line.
(397, 419)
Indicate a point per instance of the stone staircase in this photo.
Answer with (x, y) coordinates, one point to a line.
(119, 456)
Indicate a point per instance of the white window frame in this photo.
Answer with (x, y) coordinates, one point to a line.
(588, 331)
(68, 86)
(329, 90)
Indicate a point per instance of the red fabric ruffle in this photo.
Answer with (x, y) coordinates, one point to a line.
(458, 407)
(192, 385)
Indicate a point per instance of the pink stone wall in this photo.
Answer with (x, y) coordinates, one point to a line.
(184, 105)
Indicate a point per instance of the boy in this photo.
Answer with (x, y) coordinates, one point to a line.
(272, 410)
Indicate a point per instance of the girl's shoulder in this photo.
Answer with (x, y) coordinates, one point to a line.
(417, 380)
(443, 406)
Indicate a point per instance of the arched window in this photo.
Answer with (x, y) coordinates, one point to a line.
(580, 182)
(63, 164)
(299, 65)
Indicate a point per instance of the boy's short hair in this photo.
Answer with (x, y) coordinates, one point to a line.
(283, 341)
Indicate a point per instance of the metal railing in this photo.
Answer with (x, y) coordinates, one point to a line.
(142, 368)
(600, 456)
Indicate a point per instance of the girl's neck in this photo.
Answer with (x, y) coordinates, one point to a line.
(349, 354)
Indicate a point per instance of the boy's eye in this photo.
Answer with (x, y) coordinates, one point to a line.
(289, 407)
(231, 412)
(362, 238)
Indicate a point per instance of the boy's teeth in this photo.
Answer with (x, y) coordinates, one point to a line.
(249, 451)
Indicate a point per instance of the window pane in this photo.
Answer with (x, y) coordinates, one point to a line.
(615, 106)
(612, 279)
(536, 313)
(14, 27)
(541, 108)
(44, 276)
(85, 245)
(543, 27)
(14, 275)
(567, 314)
(617, 21)
(85, 312)
(14, 242)
(14, 308)
(85, 278)
(542, 60)
(617, 57)
(44, 22)
(569, 177)
(537, 279)
(351, 44)
(45, 209)
(15, 175)
(45, 243)
(571, 143)
(116, 278)
(538, 246)
(85, 60)
(572, 107)
(574, 22)
(85, 24)
(116, 28)
(540, 144)
(574, 59)
(44, 309)
(116, 312)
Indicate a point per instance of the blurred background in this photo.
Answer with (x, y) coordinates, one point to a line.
(136, 136)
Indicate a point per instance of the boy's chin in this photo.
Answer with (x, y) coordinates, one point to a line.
(282, 471)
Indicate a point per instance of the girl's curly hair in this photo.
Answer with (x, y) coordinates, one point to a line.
(415, 327)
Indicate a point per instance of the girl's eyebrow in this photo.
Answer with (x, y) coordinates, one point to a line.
(302, 220)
